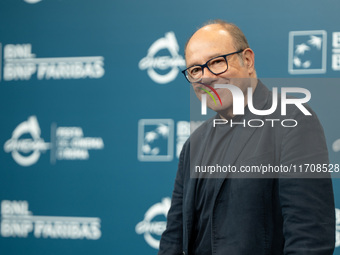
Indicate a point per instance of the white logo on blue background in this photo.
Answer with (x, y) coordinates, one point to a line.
(336, 145)
(69, 143)
(337, 230)
(154, 223)
(307, 52)
(163, 69)
(32, 1)
(155, 139)
(26, 144)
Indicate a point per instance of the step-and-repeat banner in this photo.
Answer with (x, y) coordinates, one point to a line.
(94, 110)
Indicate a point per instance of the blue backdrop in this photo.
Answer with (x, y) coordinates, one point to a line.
(94, 110)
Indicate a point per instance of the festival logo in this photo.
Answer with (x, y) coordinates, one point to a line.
(336, 145)
(152, 227)
(26, 144)
(68, 143)
(32, 1)
(163, 69)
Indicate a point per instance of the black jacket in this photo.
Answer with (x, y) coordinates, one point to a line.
(259, 215)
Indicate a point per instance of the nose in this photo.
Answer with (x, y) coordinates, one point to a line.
(208, 78)
(207, 73)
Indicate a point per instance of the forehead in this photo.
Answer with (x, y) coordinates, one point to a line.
(206, 43)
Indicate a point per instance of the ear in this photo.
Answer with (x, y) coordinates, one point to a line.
(249, 60)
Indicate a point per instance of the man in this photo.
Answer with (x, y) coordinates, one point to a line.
(231, 214)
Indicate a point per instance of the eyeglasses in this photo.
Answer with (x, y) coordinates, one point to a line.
(216, 65)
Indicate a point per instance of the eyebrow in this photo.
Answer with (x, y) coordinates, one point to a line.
(211, 57)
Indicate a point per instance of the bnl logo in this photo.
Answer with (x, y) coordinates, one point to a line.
(307, 52)
(155, 139)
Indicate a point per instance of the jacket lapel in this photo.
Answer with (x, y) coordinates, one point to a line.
(243, 134)
(238, 142)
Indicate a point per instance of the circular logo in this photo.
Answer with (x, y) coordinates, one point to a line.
(150, 227)
(32, 1)
(151, 63)
(26, 151)
(336, 145)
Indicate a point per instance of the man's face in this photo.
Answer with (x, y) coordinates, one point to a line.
(212, 41)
